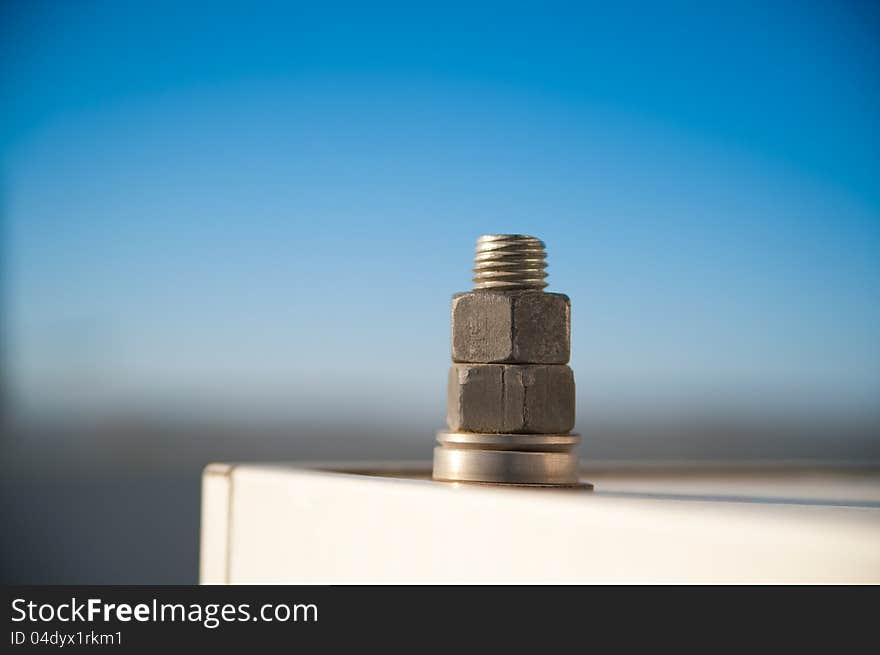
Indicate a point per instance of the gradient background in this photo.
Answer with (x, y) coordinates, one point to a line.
(232, 231)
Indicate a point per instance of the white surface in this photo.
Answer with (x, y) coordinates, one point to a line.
(286, 524)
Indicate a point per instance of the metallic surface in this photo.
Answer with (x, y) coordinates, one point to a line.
(532, 398)
(511, 398)
(515, 327)
(507, 262)
(506, 459)
(521, 442)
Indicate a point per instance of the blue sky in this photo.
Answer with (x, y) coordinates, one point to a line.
(262, 208)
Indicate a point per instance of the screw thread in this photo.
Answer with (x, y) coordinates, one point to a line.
(509, 262)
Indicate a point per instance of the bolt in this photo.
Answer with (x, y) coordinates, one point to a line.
(510, 389)
(509, 262)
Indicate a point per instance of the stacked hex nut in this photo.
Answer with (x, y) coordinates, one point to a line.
(509, 377)
(511, 327)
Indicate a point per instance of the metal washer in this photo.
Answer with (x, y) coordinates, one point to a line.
(542, 460)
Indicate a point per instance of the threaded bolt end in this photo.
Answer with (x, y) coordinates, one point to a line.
(510, 262)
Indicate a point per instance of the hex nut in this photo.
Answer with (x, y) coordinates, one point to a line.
(493, 398)
(525, 327)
